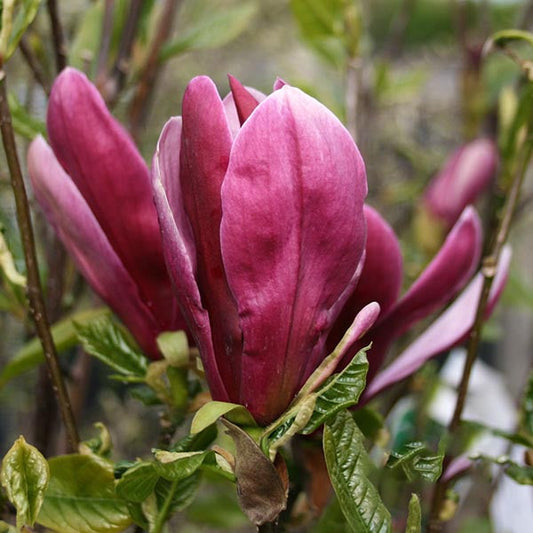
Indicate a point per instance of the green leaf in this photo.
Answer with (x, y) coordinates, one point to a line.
(526, 411)
(23, 123)
(25, 15)
(25, 476)
(7, 528)
(416, 461)
(197, 441)
(414, 519)
(210, 412)
(504, 37)
(322, 25)
(370, 422)
(108, 342)
(340, 391)
(174, 466)
(348, 466)
(81, 497)
(175, 347)
(7, 265)
(64, 335)
(172, 496)
(137, 483)
(213, 27)
(100, 445)
(332, 520)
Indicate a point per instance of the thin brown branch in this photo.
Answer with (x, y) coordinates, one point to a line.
(105, 42)
(121, 67)
(58, 35)
(488, 271)
(34, 65)
(34, 290)
(151, 69)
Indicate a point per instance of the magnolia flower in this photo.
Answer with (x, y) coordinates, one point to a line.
(94, 188)
(443, 278)
(465, 175)
(263, 233)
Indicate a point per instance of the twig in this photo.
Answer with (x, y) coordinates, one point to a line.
(105, 42)
(150, 71)
(34, 290)
(60, 46)
(34, 65)
(122, 64)
(488, 271)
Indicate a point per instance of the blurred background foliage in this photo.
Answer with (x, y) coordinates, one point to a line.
(408, 77)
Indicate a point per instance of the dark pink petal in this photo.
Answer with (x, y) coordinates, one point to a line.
(109, 172)
(381, 278)
(179, 248)
(436, 286)
(244, 101)
(292, 237)
(205, 149)
(85, 240)
(231, 110)
(457, 467)
(279, 83)
(448, 330)
(464, 177)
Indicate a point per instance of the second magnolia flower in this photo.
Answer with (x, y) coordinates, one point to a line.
(263, 232)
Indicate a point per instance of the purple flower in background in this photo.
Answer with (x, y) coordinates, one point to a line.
(94, 188)
(263, 233)
(465, 175)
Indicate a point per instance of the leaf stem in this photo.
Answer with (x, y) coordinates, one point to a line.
(488, 271)
(162, 515)
(34, 289)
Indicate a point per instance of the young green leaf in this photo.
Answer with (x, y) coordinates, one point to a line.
(64, 335)
(210, 412)
(332, 520)
(348, 466)
(24, 124)
(340, 391)
(414, 519)
(522, 474)
(137, 483)
(81, 497)
(108, 342)
(174, 466)
(211, 27)
(416, 461)
(16, 17)
(25, 476)
(526, 418)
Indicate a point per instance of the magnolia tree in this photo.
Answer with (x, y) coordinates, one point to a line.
(252, 294)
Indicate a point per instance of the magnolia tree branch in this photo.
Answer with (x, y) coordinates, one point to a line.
(60, 45)
(148, 76)
(34, 290)
(488, 271)
(34, 65)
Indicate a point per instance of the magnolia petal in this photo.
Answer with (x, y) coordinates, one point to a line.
(244, 101)
(436, 286)
(179, 249)
(466, 174)
(231, 109)
(381, 277)
(71, 217)
(205, 150)
(102, 161)
(448, 330)
(295, 178)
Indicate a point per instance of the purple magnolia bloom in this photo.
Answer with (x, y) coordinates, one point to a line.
(466, 174)
(263, 233)
(382, 276)
(94, 188)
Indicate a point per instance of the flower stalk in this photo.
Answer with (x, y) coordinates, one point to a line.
(34, 288)
(488, 271)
